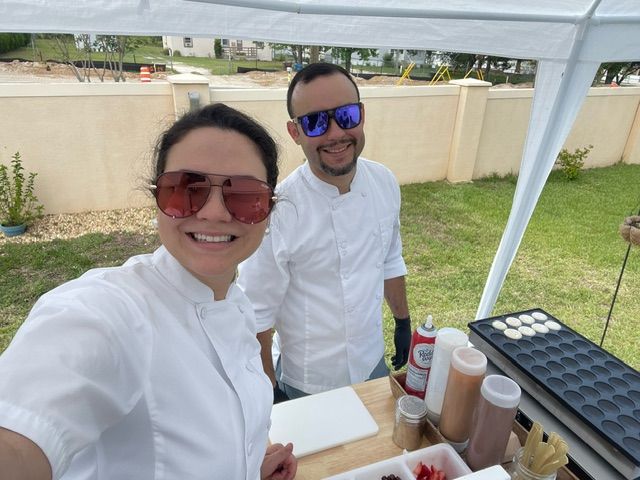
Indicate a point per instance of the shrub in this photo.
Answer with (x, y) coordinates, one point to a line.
(217, 48)
(572, 163)
(13, 41)
(18, 203)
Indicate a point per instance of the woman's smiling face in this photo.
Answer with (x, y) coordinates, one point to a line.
(211, 243)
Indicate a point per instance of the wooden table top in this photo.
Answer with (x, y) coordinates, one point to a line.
(376, 396)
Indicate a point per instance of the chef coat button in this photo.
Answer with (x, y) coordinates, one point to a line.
(345, 276)
(250, 448)
(378, 265)
(240, 308)
(202, 312)
(364, 194)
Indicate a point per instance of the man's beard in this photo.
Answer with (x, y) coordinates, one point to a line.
(337, 172)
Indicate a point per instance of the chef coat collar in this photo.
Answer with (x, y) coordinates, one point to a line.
(326, 188)
(183, 281)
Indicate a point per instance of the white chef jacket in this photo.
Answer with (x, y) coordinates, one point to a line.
(318, 277)
(135, 372)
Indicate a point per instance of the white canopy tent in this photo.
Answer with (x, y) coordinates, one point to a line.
(568, 38)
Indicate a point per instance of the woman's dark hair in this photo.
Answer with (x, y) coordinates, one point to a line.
(312, 71)
(223, 117)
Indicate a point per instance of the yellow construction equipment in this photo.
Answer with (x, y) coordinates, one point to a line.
(478, 73)
(406, 73)
(441, 74)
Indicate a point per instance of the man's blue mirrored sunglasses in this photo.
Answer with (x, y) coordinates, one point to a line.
(315, 124)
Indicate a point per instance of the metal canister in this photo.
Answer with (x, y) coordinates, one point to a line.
(411, 415)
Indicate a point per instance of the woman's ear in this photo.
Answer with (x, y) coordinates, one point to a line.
(292, 128)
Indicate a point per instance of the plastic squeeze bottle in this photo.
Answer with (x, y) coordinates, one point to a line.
(493, 421)
(420, 358)
(447, 340)
(468, 367)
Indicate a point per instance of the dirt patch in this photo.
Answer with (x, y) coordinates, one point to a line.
(41, 72)
(17, 71)
(72, 225)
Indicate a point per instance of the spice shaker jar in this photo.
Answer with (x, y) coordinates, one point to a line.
(411, 415)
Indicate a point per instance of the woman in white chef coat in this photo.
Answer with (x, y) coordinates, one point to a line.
(152, 370)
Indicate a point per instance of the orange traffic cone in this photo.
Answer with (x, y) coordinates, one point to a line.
(145, 74)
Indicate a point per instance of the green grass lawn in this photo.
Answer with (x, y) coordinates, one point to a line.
(568, 263)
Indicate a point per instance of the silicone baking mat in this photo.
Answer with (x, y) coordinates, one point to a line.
(597, 389)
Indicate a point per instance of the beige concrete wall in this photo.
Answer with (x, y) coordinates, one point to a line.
(498, 152)
(91, 144)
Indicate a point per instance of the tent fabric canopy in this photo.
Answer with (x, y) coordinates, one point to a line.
(568, 38)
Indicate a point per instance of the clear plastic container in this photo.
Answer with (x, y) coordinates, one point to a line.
(468, 367)
(492, 421)
(442, 456)
(447, 340)
(519, 472)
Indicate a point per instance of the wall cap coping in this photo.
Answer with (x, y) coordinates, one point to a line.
(187, 78)
(471, 82)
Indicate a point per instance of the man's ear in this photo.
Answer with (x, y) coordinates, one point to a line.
(292, 128)
(362, 113)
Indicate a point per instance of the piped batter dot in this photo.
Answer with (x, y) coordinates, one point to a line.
(526, 319)
(539, 316)
(540, 328)
(527, 331)
(498, 325)
(513, 334)
(551, 325)
(513, 322)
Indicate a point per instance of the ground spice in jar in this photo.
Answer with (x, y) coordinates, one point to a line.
(411, 414)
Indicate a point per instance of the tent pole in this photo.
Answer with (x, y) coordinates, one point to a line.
(615, 293)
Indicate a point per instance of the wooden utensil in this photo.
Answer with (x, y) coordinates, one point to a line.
(549, 468)
(557, 460)
(533, 438)
(544, 452)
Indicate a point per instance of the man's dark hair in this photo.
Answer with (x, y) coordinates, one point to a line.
(313, 71)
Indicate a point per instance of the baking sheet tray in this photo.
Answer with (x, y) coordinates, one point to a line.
(594, 393)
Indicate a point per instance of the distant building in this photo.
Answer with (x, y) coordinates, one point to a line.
(203, 47)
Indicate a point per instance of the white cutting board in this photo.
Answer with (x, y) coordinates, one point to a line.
(321, 421)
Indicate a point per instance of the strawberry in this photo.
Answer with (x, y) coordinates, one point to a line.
(423, 472)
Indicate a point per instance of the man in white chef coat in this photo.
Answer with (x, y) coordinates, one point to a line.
(333, 251)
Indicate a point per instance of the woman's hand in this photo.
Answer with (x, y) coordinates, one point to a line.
(279, 463)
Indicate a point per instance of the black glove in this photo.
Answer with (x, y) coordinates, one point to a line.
(402, 342)
(279, 395)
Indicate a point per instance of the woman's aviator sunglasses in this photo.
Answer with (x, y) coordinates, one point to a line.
(315, 124)
(181, 194)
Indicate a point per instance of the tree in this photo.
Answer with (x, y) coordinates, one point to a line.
(77, 52)
(68, 47)
(616, 72)
(344, 54)
(114, 48)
